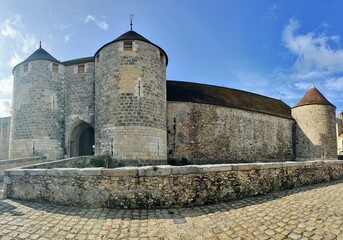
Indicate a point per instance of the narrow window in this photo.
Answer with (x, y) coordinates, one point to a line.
(128, 46)
(97, 57)
(55, 67)
(26, 67)
(81, 68)
(53, 101)
(162, 56)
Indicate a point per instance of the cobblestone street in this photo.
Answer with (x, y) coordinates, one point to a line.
(314, 212)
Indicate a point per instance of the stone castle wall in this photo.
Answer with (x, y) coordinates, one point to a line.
(201, 133)
(79, 98)
(37, 126)
(5, 126)
(163, 186)
(315, 132)
(14, 163)
(130, 98)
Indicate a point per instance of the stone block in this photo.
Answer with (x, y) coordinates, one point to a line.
(117, 172)
(90, 171)
(37, 172)
(217, 168)
(266, 165)
(69, 172)
(290, 164)
(154, 171)
(7, 180)
(55, 172)
(192, 169)
(16, 172)
(242, 167)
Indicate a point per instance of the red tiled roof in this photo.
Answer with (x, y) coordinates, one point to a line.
(313, 97)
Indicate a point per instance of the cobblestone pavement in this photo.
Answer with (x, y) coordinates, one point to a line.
(314, 212)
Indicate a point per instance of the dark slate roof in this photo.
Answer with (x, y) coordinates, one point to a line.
(313, 97)
(227, 97)
(132, 35)
(41, 54)
(78, 61)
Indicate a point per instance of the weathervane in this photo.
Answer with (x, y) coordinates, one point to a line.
(131, 18)
(40, 44)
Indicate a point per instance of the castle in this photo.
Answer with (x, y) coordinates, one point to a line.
(118, 103)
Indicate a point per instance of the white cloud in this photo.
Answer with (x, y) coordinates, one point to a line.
(312, 51)
(6, 86)
(101, 24)
(334, 83)
(14, 29)
(67, 37)
(5, 108)
(303, 85)
(272, 10)
(60, 26)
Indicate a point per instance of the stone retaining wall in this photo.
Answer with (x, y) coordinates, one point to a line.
(65, 163)
(163, 186)
(13, 163)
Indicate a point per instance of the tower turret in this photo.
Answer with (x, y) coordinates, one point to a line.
(37, 105)
(315, 136)
(130, 100)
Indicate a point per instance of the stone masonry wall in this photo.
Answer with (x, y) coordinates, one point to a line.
(201, 133)
(14, 163)
(130, 92)
(315, 132)
(5, 125)
(163, 186)
(79, 95)
(37, 126)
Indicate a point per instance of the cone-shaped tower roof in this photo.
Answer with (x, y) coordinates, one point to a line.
(313, 97)
(40, 54)
(130, 36)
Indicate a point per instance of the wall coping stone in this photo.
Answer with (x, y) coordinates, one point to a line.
(161, 170)
(18, 160)
(149, 171)
(118, 172)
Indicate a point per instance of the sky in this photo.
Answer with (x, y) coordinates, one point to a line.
(273, 48)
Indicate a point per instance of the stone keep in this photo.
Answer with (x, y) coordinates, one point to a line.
(118, 103)
(315, 136)
(37, 109)
(130, 99)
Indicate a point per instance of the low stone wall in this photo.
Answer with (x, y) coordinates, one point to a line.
(13, 163)
(65, 163)
(163, 186)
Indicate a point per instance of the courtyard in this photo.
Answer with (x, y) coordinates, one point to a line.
(311, 212)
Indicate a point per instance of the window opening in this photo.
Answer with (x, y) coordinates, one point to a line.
(128, 46)
(55, 67)
(81, 68)
(26, 67)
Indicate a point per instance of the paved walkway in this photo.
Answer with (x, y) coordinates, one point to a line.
(305, 213)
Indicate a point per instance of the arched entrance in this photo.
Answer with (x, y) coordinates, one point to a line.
(81, 140)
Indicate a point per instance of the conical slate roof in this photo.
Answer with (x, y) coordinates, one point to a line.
(313, 97)
(132, 35)
(40, 54)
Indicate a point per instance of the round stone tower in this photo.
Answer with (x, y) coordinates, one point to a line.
(315, 132)
(37, 124)
(130, 100)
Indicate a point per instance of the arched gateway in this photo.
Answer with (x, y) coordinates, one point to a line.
(81, 140)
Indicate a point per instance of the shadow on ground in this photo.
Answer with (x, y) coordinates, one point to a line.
(177, 214)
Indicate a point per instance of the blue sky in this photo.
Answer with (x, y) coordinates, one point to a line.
(274, 48)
